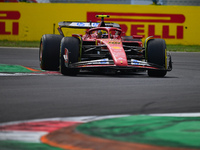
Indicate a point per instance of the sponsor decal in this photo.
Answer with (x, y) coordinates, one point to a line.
(135, 62)
(138, 62)
(98, 62)
(104, 61)
(13, 17)
(116, 47)
(114, 42)
(95, 24)
(81, 24)
(146, 24)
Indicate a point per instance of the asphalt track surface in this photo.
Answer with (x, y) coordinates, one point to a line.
(48, 96)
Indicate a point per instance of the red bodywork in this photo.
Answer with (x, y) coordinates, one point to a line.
(113, 42)
(105, 46)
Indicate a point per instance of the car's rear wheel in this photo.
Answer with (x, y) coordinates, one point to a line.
(69, 54)
(49, 52)
(156, 54)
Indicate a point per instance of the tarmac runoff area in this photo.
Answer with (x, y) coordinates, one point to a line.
(138, 132)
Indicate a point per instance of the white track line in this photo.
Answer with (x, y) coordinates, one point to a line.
(178, 114)
(24, 136)
(20, 74)
(83, 119)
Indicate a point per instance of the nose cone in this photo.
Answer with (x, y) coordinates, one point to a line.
(121, 62)
(119, 56)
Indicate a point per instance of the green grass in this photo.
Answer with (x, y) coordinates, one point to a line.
(174, 48)
(7, 43)
(183, 48)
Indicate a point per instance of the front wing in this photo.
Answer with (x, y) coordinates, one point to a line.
(132, 64)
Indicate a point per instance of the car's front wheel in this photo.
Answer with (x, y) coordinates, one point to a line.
(69, 54)
(156, 54)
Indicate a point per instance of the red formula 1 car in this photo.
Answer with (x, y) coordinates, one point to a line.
(102, 48)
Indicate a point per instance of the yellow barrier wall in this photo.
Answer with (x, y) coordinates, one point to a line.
(29, 21)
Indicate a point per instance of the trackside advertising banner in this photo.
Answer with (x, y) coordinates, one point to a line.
(29, 21)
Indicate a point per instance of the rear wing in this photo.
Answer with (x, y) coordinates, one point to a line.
(83, 25)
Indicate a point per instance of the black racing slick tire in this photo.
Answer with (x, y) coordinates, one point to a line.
(69, 54)
(49, 52)
(156, 54)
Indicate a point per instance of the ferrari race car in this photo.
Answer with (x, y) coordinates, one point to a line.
(102, 48)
